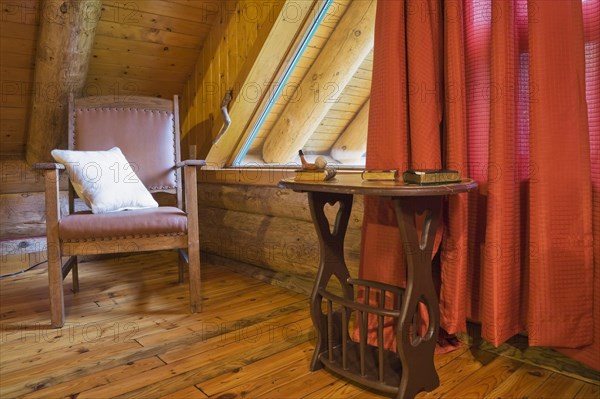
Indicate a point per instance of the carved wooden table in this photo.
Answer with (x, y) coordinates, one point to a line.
(410, 369)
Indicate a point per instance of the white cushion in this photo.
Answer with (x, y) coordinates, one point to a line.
(104, 180)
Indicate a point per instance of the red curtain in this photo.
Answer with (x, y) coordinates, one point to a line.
(591, 23)
(408, 102)
(506, 91)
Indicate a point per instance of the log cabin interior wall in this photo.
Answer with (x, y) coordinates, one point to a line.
(270, 228)
(197, 49)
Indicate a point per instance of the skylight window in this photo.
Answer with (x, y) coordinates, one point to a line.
(321, 99)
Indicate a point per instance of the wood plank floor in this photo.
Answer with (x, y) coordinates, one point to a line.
(129, 334)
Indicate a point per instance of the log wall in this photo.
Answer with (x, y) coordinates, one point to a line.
(268, 227)
(22, 217)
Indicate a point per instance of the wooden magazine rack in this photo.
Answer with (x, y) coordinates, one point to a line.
(410, 369)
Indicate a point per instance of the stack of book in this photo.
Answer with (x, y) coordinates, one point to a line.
(380, 174)
(431, 176)
(413, 176)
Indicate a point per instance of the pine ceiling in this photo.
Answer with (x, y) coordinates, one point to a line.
(149, 47)
(144, 47)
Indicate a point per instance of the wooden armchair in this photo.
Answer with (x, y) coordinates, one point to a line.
(147, 132)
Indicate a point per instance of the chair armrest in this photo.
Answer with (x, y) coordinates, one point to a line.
(51, 173)
(191, 193)
(190, 162)
(48, 166)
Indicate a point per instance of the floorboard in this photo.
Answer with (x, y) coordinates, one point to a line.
(129, 334)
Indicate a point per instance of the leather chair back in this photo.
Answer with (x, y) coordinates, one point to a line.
(146, 131)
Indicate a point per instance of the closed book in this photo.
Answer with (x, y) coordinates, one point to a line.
(314, 175)
(380, 174)
(431, 176)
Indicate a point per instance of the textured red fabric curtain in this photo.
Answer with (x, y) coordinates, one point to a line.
(591, 23)
(407, 102)
(506, 91)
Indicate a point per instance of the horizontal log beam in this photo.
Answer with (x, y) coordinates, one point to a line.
(18, 177)
(276, 243)
(269, 201)
(24, 214)
(61, 62)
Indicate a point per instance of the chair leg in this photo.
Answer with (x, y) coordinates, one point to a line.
(55, 282)
(194, 272)
(75, 275)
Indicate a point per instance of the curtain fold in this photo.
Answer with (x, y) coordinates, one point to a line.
(560, 214)
(409, 102)
(500, 90)
(503, 296)
(591, 18)
(453, 293)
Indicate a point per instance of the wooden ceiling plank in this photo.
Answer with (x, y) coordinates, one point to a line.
(16, 95)
(205, 13)
(107, 57)
(149, 35)
(15, 60)
(114, 13)
(363, 74)
(139, 73)
(18, 30)
(352, 143)
(353, 91)
(333, 122)
(107, 85)
(16, 74)
(21, 11)
(62, 58)
(347, 97)
(196, 3)
(17, 46)
(137, 47)
(325, 130)
(361, 83)
(11, 126)
(341, 114)
(7, 112)
(12, 133)
(343, 54)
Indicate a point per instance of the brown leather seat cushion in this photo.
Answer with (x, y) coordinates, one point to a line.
(83, 226)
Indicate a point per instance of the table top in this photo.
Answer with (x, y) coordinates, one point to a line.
(352, 183)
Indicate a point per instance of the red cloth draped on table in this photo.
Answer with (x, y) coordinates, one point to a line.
(497, 90)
